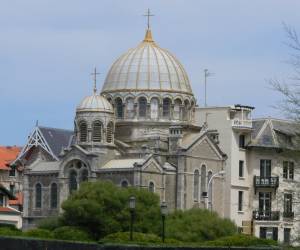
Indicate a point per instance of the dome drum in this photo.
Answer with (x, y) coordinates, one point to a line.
(153, 107)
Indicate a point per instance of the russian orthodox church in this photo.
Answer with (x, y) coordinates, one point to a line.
(139, 131)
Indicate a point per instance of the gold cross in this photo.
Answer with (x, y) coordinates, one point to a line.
(148, 15)
(95, 73)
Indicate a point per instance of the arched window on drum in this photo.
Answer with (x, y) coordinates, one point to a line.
(97, 131)
(142, 107)
(185, 112)
(154, 108)
(119, 108)
(130, 108)
(177, 109)
(166, 108)
(83, 131)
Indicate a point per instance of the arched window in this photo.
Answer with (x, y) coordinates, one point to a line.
(109, 132)
(209, 194)
(130, 108)
(97, 131)
(72, 181)
(124, 184)
(166, 108)
(142, 107)
(154, 108)
(83, 131)
(177, 110)
(151, 187)
(84, 175)
(185, 111)
(192, 112)
(119, 108)
(203, 179)
(53, 195)
(38, 195)
(196, 185)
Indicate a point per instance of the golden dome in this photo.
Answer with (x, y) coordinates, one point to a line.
(147, 68)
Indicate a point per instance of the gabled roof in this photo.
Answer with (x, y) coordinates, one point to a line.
(191, 139)
(275, 133)
(57, 138)
(51, 140)
(8, 155)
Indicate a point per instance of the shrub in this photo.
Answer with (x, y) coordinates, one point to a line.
(241, 241)
(137, 237)
(102, 208)
(10, 231)
(71, 233)
(50, 223)
(140, 238)
(39, 233)
(198, 225)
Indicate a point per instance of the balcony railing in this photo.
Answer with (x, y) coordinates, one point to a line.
(237, 123)
(266, 215)
(266, 182)
(288, 215)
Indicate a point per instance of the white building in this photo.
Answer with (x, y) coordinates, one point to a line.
(262, 170)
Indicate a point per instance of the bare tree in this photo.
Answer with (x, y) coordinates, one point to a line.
(290, 90)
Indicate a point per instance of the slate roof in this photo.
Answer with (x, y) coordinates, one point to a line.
(123, 163)
(45, 166)
(57, 139)
(275, 133)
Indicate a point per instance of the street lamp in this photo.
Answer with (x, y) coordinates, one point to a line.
(132, 209)
(164, 212)
(222, 172)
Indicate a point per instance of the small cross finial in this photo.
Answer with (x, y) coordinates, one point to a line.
(95, 73)
(148, 15)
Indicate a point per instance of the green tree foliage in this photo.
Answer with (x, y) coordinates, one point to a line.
(38, 233)
(71, 233)
(198, 225)
(241, 241)
(101, 208)
(50, 223)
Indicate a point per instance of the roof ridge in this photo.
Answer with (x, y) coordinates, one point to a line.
(62, 129)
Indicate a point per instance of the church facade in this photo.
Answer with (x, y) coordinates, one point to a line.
(145, 129)
(139, 131)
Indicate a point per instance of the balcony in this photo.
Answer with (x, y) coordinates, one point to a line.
(242, 124)
(288, 215)
(266, 182)
(266, 215)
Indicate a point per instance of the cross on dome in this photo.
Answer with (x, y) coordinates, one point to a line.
(148, 15)
(95, 73)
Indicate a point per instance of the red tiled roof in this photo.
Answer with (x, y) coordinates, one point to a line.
(18, 201)
(7, 155)
(7, 210)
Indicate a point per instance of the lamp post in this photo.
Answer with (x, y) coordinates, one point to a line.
(132, 209)
(164, 212)
(222, 172)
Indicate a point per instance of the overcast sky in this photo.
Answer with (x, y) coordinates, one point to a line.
(49, 48)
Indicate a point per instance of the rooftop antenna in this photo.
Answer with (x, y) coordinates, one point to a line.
(95, 73)
(148, 15)
(206, 75)
(37, 123)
